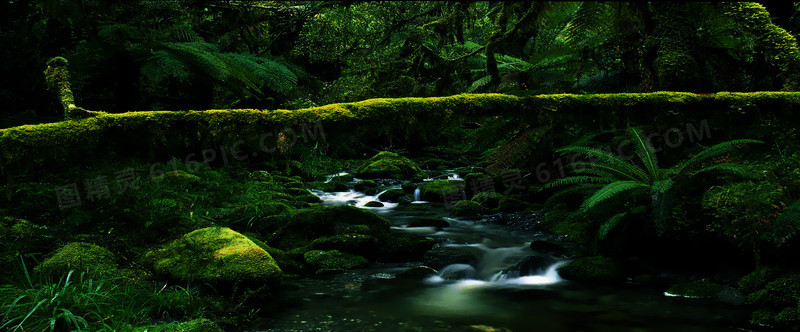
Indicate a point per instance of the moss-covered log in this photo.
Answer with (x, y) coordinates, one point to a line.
(400, 121)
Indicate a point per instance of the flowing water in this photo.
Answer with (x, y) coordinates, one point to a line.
(493, 291)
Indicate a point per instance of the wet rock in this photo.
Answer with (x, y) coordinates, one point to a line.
(305, 225)
(392, 195)
(405, 248)
(358, 244)
(731, 295)
(531, 265)
(437, 191)
(594, 269)
(699, 289)
(409, 187)
(417, 272)
(429, 222)
(466, 209)
(364, 185)
(488, 199)
(389, 165)
(373, 204)
(508, 204)
(438, 258)
(332, 261)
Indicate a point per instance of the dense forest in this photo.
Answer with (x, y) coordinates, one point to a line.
(226, 165)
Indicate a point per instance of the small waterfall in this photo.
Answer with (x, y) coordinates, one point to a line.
(417, 195)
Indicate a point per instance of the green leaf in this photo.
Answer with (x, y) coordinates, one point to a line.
(611, 190)
(610, 224)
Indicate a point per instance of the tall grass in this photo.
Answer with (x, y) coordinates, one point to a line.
(91, 302)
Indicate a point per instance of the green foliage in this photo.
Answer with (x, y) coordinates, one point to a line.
(610, 178)
(81, 301)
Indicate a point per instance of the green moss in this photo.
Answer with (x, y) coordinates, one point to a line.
(696, 289)
(778, 294)
(216, 255)
(758, 279)
(594, 269)
(489, 199)
(333, 260)
(364, 185)
(359, 244)
(436, 191)
(389, 165)
(305, 225)
(19, 236)
(508, 204)
(392, 195)
(78, 256)
(466, 209)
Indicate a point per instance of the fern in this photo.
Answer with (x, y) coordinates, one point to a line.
(610, 224)
(714, 151)
(612, 190)
(645, 151)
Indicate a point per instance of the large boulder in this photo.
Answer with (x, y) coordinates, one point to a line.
(389, 165)
(332, 261)
(78, 256)
(217, 256)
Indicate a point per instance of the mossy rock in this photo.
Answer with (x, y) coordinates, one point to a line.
(364, 185)
(409, 187)
(778, 294)
(373, 204)
(392, 195)
(594, 269)
(508, 204)
(443, 256)
(305, 225)
(389, 165)
(19, 236)
(429, 222)
(436, 191)
(178, 178)
(758, 279)
(405, 248)
(466, 209)
(699, 289)
(195, 325)
(332, 261)
(78, 256)
(488, 199)
(359, 244)
(218, 256)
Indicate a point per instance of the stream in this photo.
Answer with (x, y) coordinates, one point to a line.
(507, 287)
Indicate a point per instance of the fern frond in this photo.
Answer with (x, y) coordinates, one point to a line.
(727, 168)
(591, 18)
(574, 180)
(481, 82)
(615, 172)
(645, 151)
(611, 190)
(711, 152)
(613, 161)
(610, 224)
(787, 225)
(583, 189)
